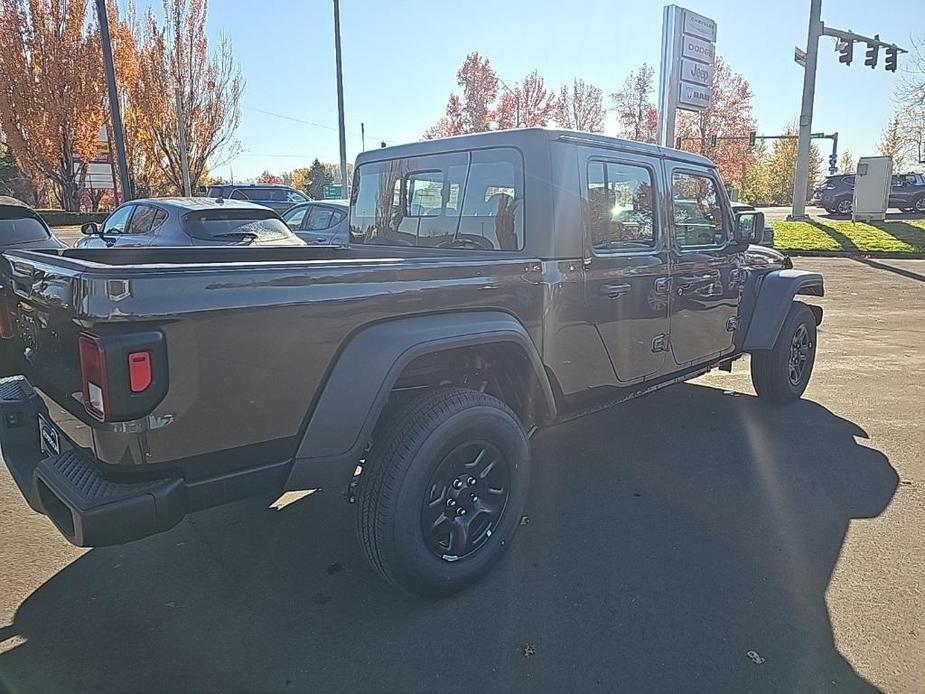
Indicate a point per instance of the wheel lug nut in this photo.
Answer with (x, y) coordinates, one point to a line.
(474, 498)
(461, 512)
(450, 503)
(471, 481)
(457, 484)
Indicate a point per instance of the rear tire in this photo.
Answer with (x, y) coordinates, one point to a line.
(918, 205)
(844, 207)
(443, 491)
(782, 373)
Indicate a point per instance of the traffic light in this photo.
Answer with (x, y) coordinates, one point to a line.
(677, 143)
(889, 62)
(713, 141)
(872, 50)
(845, 48)
(751, 139)
(833, 163)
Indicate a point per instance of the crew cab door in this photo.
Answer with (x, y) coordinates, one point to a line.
(627, 278)
(705, 279)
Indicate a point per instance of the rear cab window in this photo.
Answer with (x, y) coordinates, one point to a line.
(231, 223)
(18, 228)
(467, 200)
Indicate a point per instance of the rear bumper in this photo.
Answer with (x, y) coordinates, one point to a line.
(87, 509)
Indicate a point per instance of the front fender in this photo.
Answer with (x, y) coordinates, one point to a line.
(364, 373)
(774, 297)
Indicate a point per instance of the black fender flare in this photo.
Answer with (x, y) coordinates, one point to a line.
(775, 295)
(358, 385)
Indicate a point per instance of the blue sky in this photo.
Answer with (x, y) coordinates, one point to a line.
(401, 57)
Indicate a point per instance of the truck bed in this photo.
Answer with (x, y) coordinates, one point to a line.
(250, 333)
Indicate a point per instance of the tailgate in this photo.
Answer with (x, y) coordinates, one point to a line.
(42, 298)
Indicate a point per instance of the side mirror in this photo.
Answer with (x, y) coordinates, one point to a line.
(749, 227)
(90, 229)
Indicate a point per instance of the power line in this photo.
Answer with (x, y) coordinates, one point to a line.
(311, 123)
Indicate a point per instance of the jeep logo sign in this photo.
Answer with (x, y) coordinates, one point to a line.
(697, 73)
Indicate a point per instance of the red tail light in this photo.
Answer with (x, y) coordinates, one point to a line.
(93, 374)
(139, 371)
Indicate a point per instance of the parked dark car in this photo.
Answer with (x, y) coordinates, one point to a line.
(20, 227)
(325, 222)
(276, 197)
(494, 284)
(188, 222)
(907, 192)
(23, 227)
(836, 193)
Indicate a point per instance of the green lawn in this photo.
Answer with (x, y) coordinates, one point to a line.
(863, 237)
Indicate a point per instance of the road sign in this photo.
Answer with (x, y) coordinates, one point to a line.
(332, 192)
(686, 72)
(817, 136)
(799, 56)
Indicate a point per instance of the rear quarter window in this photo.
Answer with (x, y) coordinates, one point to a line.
(460, 200)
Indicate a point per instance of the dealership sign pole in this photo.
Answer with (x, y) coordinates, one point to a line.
(686, 70)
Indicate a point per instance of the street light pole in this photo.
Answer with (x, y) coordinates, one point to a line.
(798, 210)
(340, 102)
(115, 111)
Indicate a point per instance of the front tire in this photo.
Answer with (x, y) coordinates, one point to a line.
(844, 207)
(443, 490)
(782, 373)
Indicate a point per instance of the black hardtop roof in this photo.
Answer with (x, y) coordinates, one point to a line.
(524, 137)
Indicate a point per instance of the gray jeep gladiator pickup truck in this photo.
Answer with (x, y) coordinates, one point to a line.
(494, 284)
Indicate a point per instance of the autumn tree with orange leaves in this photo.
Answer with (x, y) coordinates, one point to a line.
(729, 115)
(52, 94)
(482, 106)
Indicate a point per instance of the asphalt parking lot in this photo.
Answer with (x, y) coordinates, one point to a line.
(695, 540)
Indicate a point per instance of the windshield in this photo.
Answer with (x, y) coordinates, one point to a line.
(224, 224)
(21, 230)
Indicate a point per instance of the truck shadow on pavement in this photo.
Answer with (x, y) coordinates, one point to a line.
(683, 542)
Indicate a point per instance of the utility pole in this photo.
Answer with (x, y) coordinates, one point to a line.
(340, 102)
(845, 48)
(115, 111)
(181, 136)
(798, 209)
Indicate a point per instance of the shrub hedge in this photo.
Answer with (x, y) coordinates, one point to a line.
(60, 218)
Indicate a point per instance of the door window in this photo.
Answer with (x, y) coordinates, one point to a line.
(620, 205)
(698, 214)
(319, 219)
(117, 221)
(294, 217)
(295, 196)
(142, 222)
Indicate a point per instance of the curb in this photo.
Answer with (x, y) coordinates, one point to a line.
(887, 255)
